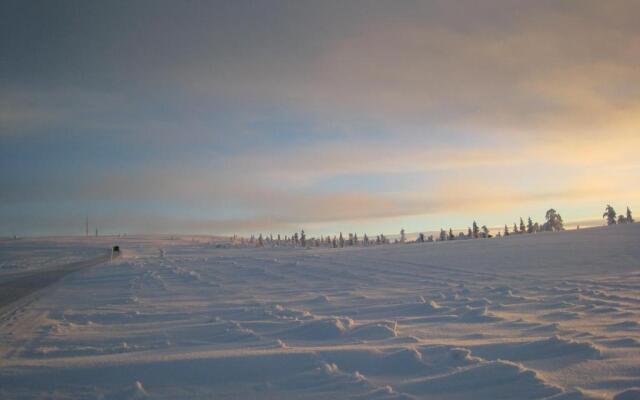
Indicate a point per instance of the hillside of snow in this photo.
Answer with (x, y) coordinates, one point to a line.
(545, 316)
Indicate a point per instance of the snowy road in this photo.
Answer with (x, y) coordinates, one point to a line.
(24, 284)
(548, 316)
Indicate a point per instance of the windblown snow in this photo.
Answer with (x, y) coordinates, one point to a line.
(545, 316)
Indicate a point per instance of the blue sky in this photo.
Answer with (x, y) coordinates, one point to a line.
(247, 117)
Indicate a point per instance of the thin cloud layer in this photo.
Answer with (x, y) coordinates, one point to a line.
(239, 117)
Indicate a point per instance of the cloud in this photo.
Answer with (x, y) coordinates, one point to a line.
(550, 72)
(248, 115)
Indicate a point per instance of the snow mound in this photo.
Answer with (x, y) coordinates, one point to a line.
(322, 299)
(629, 394)
(494, 379)
(327, 377)
(375, 331)
(280, 312)
(622, 342)
(624, 325)
(552, 327)
(372, 362)
(552, 347)
(561, 316)
(479, 314)
(320, 329)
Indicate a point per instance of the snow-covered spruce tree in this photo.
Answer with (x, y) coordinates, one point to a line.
(421, 237)
(443, 235)
(523, 229)
(451, 237)
(622, 219)
(515, 228)
(469, 233)
(630, 219)
(506, 230)
(476, 230)
(610, 215)
(303, 239)
(553, 222)
(529, 225)
(260, 241)
(341, 240)
(485, 232)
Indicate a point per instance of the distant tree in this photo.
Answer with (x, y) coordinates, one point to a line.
(260, 242)
(622, 219)
(506, 230)
(461, 236)
(610, 215)
(341, 240)
(630, 219)
(485, 231)
(303, 239)
(366, 240)
(402, 237)
(355, 239)
(451, 236)
(443, 235)
(529, 225)
(515, 228)
(536, 227)
(350, 241)
(295, 238)
(430, 238)
(334, 244)
(469, 233)
(523, 229)
(553, 221)
(476, 230)
(421, 237)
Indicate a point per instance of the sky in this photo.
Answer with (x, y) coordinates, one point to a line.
(274, 116)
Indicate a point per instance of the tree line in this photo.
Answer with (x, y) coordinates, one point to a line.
(610, 215)
(553, 223)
